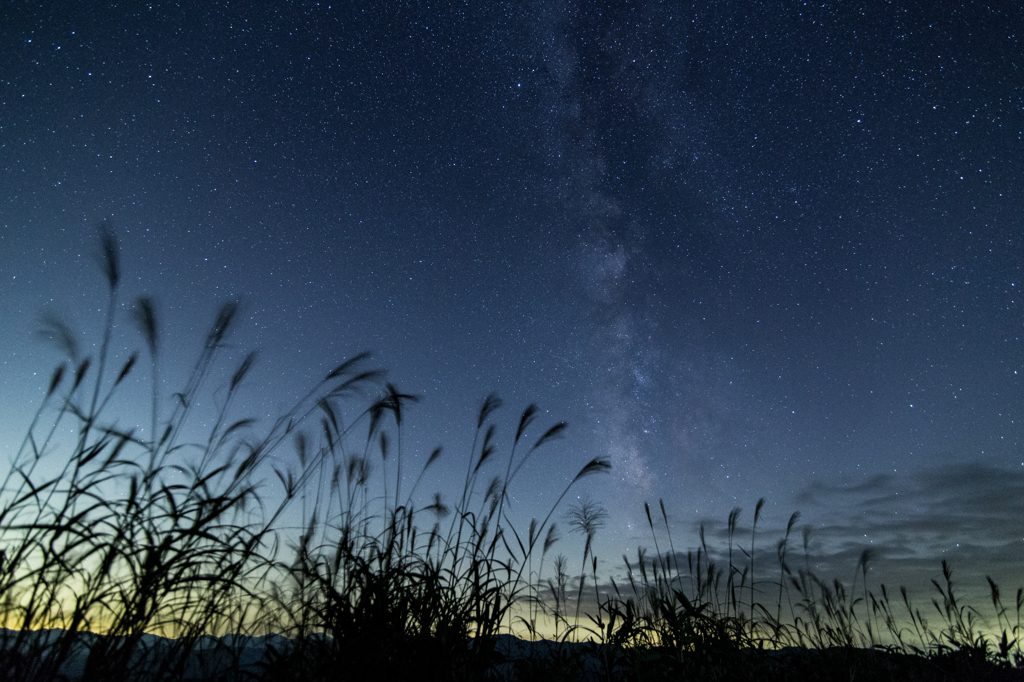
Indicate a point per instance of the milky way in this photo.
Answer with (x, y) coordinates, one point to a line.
(769, 250)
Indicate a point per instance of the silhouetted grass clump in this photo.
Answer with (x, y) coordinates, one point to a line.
(153, 553)
(700, 620)
(126, 534)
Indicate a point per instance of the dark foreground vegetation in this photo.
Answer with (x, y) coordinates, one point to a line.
(151, 553)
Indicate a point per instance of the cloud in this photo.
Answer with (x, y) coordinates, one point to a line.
(970, 514)
(935, 506)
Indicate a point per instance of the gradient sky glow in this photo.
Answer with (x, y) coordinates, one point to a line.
(744, 249)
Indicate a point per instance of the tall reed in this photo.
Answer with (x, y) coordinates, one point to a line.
(690, 619)
(126, 532)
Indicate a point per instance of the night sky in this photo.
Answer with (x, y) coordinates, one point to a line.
(744, 249)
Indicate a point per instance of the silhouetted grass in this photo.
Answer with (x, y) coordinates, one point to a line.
(692, 621)
(110, 532)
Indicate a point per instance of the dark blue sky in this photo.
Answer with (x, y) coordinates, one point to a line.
(771, 250)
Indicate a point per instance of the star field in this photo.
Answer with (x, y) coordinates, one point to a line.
(762, 251)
